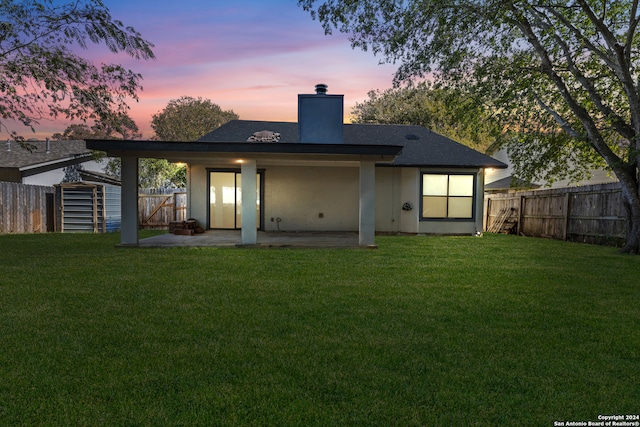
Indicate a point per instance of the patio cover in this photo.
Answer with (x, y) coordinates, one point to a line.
(249, 152)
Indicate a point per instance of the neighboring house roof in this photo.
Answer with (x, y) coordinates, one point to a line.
(17, 162)
(510, 183)
(421, 146)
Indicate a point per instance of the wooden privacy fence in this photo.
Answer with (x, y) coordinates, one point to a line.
(25, 208)
(157, 208)
(590, 214)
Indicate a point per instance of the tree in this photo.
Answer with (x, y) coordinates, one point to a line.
(113, 126)
(74, 132)
(116, 124)
(187, 119)
(153, 173)
(41, 76)
(443, 110)
(561, 76)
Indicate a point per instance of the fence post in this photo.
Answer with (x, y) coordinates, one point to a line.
(566, 216)
(488, 215)
(521, 215)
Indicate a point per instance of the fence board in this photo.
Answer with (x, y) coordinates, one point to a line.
(29, 208)
(591, 214)
(23, 208)
(157, 208)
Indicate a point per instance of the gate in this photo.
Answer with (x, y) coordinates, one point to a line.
(157, 209)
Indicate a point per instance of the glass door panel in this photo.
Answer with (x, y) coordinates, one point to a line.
(225, 200)
(222, 200)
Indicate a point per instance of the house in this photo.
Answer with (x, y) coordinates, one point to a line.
(45, 163)
(496, 179)
(318, 174)
(509, 184)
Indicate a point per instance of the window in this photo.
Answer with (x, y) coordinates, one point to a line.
(447, 196)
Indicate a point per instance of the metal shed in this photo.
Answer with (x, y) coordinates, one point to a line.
(82, 207)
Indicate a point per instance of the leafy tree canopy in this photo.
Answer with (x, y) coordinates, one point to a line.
(119, 126)
(561, 76)
(443, 110)
(153, 173)
(183, 119)
(41, 76)
(187, 119)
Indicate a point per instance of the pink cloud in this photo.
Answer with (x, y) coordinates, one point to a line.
(253, 57)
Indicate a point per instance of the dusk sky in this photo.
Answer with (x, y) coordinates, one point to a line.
(251, 56)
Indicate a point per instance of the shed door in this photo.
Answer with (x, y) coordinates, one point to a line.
(225, 200)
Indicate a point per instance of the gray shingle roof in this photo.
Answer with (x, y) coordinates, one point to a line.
(510, 182)
(61, 151)
(421, 146)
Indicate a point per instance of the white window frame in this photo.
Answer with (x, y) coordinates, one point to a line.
(448, 197)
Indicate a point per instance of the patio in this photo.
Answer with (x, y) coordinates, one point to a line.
(232, 238)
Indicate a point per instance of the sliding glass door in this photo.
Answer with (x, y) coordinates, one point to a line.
(225, 200)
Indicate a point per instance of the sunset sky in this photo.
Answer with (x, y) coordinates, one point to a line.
(251, 56)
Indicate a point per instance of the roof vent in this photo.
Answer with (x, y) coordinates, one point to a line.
(264, 136)
(321, 89)
(411, 137)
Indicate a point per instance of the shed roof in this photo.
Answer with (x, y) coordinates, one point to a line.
(421, 146)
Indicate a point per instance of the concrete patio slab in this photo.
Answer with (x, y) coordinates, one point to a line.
(232, 238)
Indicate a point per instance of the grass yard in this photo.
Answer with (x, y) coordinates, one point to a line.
(433, 331)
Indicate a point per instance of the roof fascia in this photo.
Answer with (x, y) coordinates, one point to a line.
(180, 150)
(38, 168)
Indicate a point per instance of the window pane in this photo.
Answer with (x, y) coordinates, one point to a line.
(461, 207)
(434, 207)
(222, 198)
(461, 185)
(434, 185)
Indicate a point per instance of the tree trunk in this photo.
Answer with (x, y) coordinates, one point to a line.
(631, 200)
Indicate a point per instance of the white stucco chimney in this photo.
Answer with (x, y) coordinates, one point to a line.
(320, 117)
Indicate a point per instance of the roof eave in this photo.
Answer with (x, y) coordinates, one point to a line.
(185, 150)
(37, 168)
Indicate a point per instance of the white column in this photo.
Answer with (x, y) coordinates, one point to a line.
(479, 195)
(367, 227)
(249, 202)
(129, 201)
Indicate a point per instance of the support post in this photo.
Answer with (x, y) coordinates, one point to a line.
(129, 202)
(367, 220)
(249, 202)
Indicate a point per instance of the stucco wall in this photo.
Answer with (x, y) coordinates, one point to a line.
(410, 193)
(326, 198)
(313, 198)
(197, 193)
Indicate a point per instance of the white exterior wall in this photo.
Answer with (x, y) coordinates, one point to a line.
(410, 193)
(56, 176)
(197, 194)
(598, 176)
(388, 201)
(311, 198)
(326, 198)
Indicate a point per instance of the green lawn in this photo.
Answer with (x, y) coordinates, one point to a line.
(435, 331)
